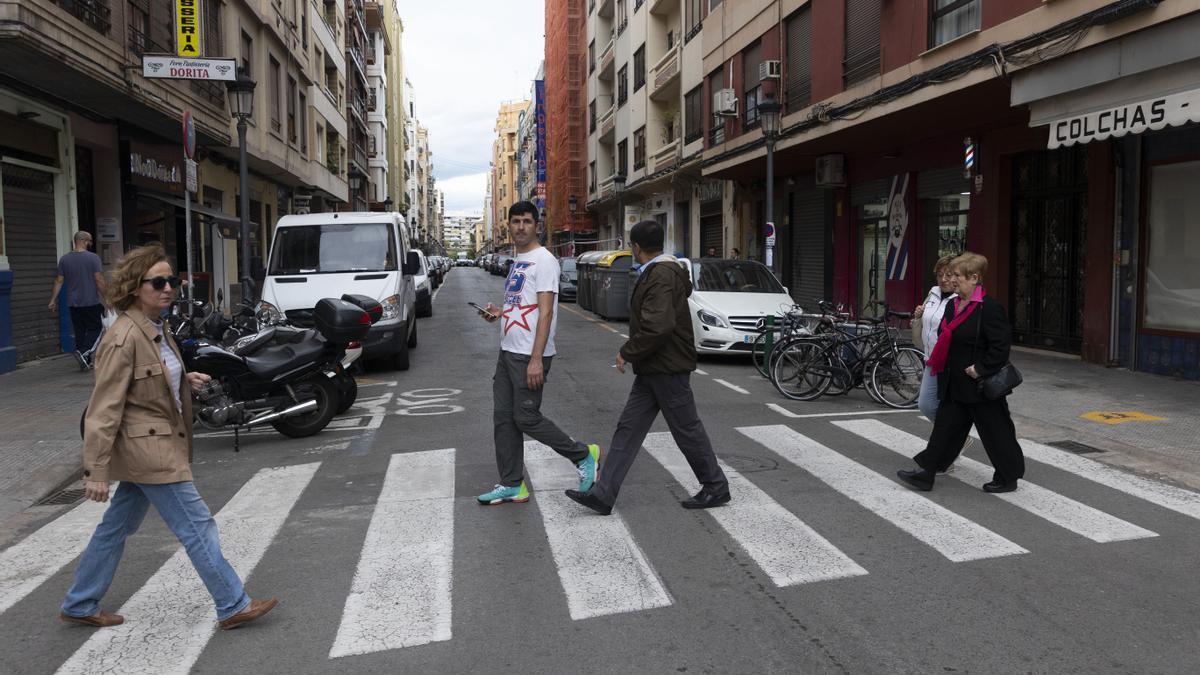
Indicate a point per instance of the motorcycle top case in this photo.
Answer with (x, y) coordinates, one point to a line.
(370, 305)
(340, 321)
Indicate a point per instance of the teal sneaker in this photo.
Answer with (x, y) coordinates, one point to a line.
(501, 494)
(588, 467)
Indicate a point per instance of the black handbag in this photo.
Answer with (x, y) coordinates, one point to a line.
(1000, 383)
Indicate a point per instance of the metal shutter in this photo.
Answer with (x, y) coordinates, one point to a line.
(799, 60)
(33, 256)
(809, 241)
(862, 41)
(939, 182)
(711, 228)
(870, 191)
(750, 60)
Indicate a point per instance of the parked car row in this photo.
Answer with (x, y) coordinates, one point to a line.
(496, 263)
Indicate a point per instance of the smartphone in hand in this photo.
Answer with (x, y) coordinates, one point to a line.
(483, 310)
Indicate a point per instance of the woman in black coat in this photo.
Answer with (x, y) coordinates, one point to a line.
(973, 342)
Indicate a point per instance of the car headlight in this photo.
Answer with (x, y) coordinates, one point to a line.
(268, 314)
(711, 319)
(391, 308)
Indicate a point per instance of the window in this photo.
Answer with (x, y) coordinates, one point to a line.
(693, 115)
(291, 110)
(799, 60)
(622, 16)
(213, 43)
(303, 23)
(753, 86)
(623, 157)
(637, 4)
(639, 149)
(274, 87)
(592, 177)
(247, 54)
(639, 68)
(693, 18)
(622, 84)
(949, 19)
(862, 41)
(592, 116)
(1172, 276)
(716, 124)
(303, 124)
(592, 56)
(713, 4)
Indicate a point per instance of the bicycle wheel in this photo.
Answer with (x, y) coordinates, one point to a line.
(896, 377)
(800, 369)
(758, 355)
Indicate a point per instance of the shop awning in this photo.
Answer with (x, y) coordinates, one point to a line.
(1148, 80)
(215, 214)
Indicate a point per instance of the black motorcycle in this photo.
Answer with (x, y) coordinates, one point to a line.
(293, 386)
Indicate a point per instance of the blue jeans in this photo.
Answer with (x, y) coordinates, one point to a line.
(927, 400)
(185, 512)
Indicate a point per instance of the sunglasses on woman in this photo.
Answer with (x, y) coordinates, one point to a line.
(160, 283)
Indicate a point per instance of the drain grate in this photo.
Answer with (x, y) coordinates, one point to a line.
(68, 496)
(1076, 447)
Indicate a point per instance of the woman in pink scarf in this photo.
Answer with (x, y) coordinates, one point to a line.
(973, 342)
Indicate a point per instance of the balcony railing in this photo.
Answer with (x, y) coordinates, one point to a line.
(94, 13)
(359, 104)
(666, 156)
(606, 187)
(664, 72)
(608, 122)
(355, 55)
(140, 43)
(360, 156)
(607, 57)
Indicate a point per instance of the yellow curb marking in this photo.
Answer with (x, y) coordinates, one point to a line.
(1112, 417)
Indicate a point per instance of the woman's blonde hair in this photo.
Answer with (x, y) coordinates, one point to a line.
(970, 263)
(129, 274)
(942, 263)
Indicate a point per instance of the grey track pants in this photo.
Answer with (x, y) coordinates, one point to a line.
(517, 413)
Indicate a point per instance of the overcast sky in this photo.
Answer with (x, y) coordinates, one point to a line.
(464, 58)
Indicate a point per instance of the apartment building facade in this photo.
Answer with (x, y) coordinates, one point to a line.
(1038, 134)
(378, 53)
(504, 166)
(566, 125)
(88, 143)
(398, 139)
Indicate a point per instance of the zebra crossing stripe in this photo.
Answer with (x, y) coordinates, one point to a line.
(955, 537)
(27, 564)
(170, 619)
(602, 569)
(1167, 496)
(787, 550)
(400, 596)
(1062, 511)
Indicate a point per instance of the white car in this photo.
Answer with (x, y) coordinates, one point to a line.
(729, 298)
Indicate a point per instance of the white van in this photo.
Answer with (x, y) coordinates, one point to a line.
(324, 255)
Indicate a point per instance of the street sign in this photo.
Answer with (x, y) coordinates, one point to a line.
(192, 180)
(187, 22)
(770, 232)
(189, 135)
(176, 68)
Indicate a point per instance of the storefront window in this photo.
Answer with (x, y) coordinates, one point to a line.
(873, 228)
(945, 229)
(1172, 285)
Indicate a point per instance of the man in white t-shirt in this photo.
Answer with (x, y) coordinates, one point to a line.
(527, 321)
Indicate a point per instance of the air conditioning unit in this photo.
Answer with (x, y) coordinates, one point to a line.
(770, 70)
(831, 171)
(724, 102)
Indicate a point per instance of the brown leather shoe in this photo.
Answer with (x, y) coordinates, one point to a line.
(255, 609)
(100, 619)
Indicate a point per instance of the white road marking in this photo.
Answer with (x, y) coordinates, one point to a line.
(600, 566)
(1062, 511)
(27, 564)
(730, 385)
(1167, 496)
(701, 372)
(400, 596)
(170, 619)
(788, 413)
(789, 551)
(623, 335)
(955, 537)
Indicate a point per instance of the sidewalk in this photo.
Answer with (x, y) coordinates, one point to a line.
(39, 414)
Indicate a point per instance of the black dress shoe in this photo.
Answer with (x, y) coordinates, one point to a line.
(997, 486)
(705, 500)
(921, 479)
(591, 501)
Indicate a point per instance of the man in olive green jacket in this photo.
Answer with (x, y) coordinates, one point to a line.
(662, 350)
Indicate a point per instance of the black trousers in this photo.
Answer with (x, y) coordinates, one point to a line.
(87, 322)
(996, 430)
(672, 396)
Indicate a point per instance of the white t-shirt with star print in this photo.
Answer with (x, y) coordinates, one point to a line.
(531, 273)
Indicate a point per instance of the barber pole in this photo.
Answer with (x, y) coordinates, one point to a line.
(968, 157)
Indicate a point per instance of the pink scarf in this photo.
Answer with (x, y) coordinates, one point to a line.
(941, 350)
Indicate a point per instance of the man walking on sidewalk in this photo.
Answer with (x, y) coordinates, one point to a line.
(528, 318)
(663, 354)
(83, 274)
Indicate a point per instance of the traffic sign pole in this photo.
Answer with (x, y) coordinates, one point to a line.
(189, 151)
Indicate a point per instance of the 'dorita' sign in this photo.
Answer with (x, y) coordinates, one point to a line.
(1133, 118)
(156, 167)
(187, 27)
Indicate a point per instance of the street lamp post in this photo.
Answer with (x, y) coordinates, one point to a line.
(572, 206)
(619, 190)
(768, 112)
(355, 186)
(241, 106)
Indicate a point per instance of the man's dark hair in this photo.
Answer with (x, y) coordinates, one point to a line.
(648, 235)
(521, 208)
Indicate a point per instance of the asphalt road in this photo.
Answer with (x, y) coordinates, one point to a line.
(370, 535)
